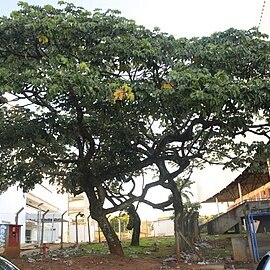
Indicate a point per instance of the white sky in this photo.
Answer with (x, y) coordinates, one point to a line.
(182, 19)
(178, 17)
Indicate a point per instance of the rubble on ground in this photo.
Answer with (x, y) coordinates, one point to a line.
(169, 262)
(57, 254)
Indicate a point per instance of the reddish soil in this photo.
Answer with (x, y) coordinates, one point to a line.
(90, 262)
(110, 262)
(218, 253)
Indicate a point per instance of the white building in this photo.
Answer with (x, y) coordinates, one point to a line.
(45, 204)
(78, 208)
(27, 209)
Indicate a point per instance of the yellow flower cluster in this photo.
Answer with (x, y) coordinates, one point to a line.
(166, 86)
(43, 39)
(123, 93)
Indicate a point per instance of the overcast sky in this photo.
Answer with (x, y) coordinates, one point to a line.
(182, 19)
(178, 17)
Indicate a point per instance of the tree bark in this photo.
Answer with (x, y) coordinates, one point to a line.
(180, 243)
(135, 240)
(135, 224)
(112, 239)
(97, 213)
(181, 240)
(178, 226)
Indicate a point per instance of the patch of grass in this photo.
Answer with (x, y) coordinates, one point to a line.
(150, 247)
(220, 245)
(97, 247)
(213, 247)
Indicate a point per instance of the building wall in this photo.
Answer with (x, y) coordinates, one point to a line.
(262, 193)
(46, 197)
(83, 235)
(76, 205)
(163, 227)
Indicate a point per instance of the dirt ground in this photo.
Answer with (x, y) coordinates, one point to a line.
(110, 262)
(89, 262)
(217, 254)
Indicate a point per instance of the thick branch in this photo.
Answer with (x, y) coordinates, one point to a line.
(132, 198)
(83, 130)
(160, 206)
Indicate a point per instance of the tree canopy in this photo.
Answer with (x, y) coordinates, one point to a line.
(93, 99)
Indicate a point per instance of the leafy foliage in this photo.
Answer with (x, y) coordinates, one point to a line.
(94, 99)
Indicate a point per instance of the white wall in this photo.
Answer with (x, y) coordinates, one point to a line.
(82, 233)
(163, 227)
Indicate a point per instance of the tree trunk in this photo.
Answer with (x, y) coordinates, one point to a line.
(182, 242)
(194, 227)
(135, 224)
(135, 240)
(178, 226)
(97, 213)
(113, 241)
(179, 221)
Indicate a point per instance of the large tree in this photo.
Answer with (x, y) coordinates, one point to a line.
(96, 99)
(73, 116)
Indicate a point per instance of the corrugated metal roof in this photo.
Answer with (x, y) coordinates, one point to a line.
(249, 180)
